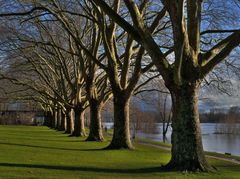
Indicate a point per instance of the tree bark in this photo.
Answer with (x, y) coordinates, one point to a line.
(48, 119)
(187, 149)
(63, 121)
(79, 128)
(59, 118)
(121, 135)
(54, 121)
(164, 135)
(69, 121)
(95, 133)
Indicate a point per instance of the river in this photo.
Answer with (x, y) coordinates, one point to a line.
(213, 138)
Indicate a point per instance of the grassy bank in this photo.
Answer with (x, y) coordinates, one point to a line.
(167, 145)
(38, 152)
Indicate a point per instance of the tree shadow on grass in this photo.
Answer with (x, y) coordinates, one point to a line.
(46, 147)
(60, 140)
(84, 169)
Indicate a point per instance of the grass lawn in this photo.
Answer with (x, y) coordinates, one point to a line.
(38, 152)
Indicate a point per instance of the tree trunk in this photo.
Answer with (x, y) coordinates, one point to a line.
(79, 128)
(48, 119)
(54, 121)
(63, 121)
(163, 128)
(95, 133)
(58, 119)
(164, 137)
(69, 121)
(121, 135)
(187, 150)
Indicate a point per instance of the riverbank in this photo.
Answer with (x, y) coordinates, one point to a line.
(39, 152)
(214, 155)
(212, 140)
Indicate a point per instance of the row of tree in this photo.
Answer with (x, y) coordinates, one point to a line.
(70, 55)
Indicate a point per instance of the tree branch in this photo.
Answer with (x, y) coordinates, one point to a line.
(22, 13)
(219, 52)
(219, 31)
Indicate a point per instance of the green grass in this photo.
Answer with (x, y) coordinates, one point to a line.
(153, 142)
(38, 152)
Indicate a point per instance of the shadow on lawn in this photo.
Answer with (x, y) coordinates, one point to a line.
(45, 147)
(84, 169)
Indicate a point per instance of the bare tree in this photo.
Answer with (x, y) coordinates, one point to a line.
(182, 74)
(124, 67)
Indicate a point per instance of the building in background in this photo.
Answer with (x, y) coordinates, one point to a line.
(20, 112)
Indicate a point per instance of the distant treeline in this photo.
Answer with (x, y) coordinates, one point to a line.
(215, 115)
(221, 116)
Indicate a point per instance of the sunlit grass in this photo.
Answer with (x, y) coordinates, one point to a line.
(39, 152)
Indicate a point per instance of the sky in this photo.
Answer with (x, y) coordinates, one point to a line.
(219, 100)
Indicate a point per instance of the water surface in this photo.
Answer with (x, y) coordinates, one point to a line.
(213, 137)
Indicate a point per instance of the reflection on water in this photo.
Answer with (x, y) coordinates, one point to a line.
(221, 143)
